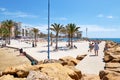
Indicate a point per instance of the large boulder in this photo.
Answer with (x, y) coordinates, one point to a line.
(51, 61)
(90, 77)
(37, 75)
(116, 58)
(111, 76)
(108, 58)
(118, 49)
(111, 57)
(59, 72)
(112, 65)
(68, 60)
(80, 57)
(10, 77)
(111, 44)
(20, 71)
(78, 72)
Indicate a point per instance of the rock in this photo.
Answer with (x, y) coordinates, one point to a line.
(111, 44)
(103, 73)
(9, 70)
(112, 65)
(68, 60)
(112, 50)
(78, 72)
(47, 71)
(112, 60)
(80, 57)
(117, 49)
(107, 58)
(114, 69)
(59, 72)
(20, 71)
(111, 76)
(51, 61)
(111, 57)
(37, 75)
(90, 77)
(10, 77)
(40, 62)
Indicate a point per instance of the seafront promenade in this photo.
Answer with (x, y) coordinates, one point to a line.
(89, 65)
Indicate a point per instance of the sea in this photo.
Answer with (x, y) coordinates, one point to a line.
(117, 40)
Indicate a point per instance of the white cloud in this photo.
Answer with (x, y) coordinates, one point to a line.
(2, 9)
(26, 25)
(103, 16)
(19, 14)
(96, 28)
(110, 17)
(42, 27)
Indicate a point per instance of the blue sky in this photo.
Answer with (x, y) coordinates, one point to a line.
(101, 17)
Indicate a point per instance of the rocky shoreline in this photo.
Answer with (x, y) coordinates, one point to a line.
(112, 62)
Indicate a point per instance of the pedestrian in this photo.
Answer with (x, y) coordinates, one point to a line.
(91, 46)
(96, 48)
(21, 51)
(33, 44)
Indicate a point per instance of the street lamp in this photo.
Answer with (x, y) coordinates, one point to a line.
(48, 29)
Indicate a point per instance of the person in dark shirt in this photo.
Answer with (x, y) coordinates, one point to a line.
(21, 51)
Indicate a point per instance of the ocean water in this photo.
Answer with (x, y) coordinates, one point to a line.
(117, 40)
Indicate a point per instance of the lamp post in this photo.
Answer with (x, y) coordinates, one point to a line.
(48, 29)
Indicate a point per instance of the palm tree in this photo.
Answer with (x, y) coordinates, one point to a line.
(57, 29)
(72, 29)
(4, 33)
(8, 24)
(35, 30)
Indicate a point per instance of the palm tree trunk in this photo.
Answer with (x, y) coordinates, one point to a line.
(68, 40)
(35, 40)
(56, 41)
(9, 36)
(71, 41)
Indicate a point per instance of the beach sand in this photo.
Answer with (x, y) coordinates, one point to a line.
(9, 57)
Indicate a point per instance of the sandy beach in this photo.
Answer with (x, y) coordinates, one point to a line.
(9, 57)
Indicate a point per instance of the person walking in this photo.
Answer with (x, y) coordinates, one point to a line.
(96, 48)
(91, 46)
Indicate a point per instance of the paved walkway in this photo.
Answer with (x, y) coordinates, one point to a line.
(92, 64)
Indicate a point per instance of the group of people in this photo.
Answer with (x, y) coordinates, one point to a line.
(95, 46)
